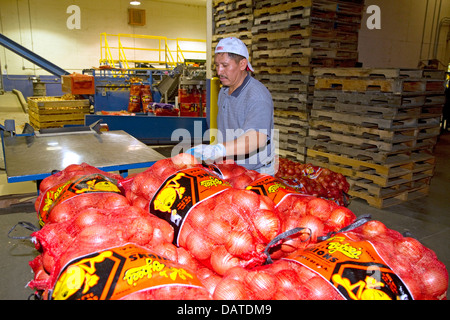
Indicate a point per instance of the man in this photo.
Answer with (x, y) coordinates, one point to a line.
(245, 113)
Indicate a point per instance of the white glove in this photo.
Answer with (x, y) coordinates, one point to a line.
(206, 152)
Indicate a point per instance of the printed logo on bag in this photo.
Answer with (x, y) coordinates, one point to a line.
(86, 184)
(117, 272)
(354, 268)
(181, 192)
(271, 187)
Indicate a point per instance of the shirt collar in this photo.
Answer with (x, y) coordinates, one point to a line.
(239, 89)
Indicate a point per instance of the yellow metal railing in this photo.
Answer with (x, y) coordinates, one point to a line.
(147, 49)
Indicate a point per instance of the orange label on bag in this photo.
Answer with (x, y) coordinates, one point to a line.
(271, 187)
(354, 268)
(181, 192)
(87, 184)
(117, 272)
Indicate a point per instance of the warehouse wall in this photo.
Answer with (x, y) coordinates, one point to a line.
(41, 26)
(407, 33)
(408, 29)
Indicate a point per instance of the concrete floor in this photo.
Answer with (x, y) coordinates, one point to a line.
(427, 218)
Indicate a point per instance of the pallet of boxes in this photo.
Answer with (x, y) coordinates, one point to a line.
(378, 127)
(54, 112)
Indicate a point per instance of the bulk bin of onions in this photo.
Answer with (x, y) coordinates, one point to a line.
(186, 230)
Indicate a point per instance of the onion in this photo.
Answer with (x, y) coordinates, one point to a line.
(199, 246)
(88, 217)
(319, 208)
(186, 259)
(140, 202)
(373, 228)
(61, 212)
(218, 231)
(237, 273)
(199, 217)
(96, 235)
(226, 212)
(340, 218)
(320, 289)
(48, 262)
(221, 260)
(230, 289)
(247, 201)
(288, 280)
(410, 249)
(299, 205)
(185, 231)
(241, 182)
(314, 224)
(240, 244)
(261, 283)
(140, 231)
(435, 281)
(267, 223)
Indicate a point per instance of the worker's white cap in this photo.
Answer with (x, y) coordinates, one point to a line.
(234, 45)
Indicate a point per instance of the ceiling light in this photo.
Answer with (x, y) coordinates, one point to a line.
(135, 3)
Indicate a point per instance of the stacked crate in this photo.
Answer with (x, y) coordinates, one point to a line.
(378, 127)
(232, 18)
(56, 112)
(287, 40)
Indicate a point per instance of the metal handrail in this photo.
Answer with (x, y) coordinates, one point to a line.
(165, 55)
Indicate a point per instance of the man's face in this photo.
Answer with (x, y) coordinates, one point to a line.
(229, 71)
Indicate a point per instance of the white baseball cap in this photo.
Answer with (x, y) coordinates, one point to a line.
(234, 45)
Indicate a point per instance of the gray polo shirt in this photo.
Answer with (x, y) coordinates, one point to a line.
(249, 107)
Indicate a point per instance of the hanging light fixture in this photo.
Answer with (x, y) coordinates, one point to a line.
(135, 3)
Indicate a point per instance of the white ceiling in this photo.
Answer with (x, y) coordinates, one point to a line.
(191, 2)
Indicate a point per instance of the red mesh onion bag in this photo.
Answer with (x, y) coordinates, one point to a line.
(126, 272)
(75, 188)
(370, 262)
(94, 229)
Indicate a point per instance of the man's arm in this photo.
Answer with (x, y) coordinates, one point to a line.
(247, 143)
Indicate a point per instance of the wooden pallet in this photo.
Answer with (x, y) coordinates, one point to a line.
(287, 25)
(277, 7)
(240, 20)
(291, 106)
(393, 198)
(282, 53)
(229, 12)
(234, 4)
(283, 16)
(417, 166)
(395, 86)
(371, 98)
(56, 113)
(233, 28)
(374, 111)
(295, 119)
(277, 70)
(379, 73)
(392, 136)
(389, 124)
(365, 153)
(292, 155)
(282, 35)
(278, 44)
(283, 130)
(282, 62)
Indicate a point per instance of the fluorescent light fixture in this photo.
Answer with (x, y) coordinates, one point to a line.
(135, 3)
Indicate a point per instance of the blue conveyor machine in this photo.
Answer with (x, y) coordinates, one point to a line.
(112, 94)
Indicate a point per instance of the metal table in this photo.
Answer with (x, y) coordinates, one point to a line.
(29, 158)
